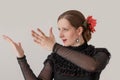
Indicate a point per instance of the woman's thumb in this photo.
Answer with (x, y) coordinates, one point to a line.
(51, 33)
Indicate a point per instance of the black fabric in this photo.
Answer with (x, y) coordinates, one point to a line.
(45, 74)
(65, 67)
(27, 72)
(84, 62)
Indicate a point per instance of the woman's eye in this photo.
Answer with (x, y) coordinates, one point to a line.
(59, 29)
(65, 29)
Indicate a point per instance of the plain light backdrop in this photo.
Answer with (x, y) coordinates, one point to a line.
(19, 17)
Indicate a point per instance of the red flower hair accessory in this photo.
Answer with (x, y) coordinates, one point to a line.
(91, 23)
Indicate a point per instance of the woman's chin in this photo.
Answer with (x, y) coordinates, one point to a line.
(66, 45)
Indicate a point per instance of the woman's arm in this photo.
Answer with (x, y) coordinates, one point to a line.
(45, 74)
(26, 70)
(95, 63)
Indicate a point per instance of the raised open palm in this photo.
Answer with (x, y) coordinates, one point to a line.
(17, 46)
(44, 41)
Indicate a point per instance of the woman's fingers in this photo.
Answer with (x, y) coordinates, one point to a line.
(17, 46)
(38, 37)
(34, 33)
(41, 33)
(8, 39)
(38, 34)
(36, 41)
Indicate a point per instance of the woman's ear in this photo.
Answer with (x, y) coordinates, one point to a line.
(80, 30)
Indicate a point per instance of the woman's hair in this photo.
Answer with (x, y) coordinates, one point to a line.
(77, 19)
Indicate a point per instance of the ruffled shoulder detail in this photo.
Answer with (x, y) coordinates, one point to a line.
(49, 59)
(103, 50)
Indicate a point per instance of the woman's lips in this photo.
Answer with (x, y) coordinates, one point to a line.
(64, 40)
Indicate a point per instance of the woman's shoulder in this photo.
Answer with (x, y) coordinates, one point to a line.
(103, 50)
(100, 49)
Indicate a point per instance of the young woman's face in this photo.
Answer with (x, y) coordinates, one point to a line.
(67, 32)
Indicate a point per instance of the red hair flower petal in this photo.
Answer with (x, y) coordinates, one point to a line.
(92, 23)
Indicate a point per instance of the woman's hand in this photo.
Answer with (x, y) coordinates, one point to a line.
(17, 46)
(44, 41)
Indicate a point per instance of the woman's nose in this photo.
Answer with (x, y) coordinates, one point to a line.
(61, 35)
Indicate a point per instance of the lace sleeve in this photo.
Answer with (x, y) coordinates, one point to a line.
(28, 74)
(47, 71)
(95, 63)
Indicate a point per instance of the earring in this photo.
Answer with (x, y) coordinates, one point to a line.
(77, 40)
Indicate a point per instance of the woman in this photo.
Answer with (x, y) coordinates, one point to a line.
(75, 60)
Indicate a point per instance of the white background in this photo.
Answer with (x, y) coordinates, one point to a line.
(19, 17)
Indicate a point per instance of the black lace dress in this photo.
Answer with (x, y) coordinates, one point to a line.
(84, 62)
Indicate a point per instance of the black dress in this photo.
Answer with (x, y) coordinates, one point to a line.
(84, 62)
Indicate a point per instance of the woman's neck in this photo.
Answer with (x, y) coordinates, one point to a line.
(79, 42)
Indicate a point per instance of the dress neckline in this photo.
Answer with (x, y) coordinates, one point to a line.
(79, 48)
